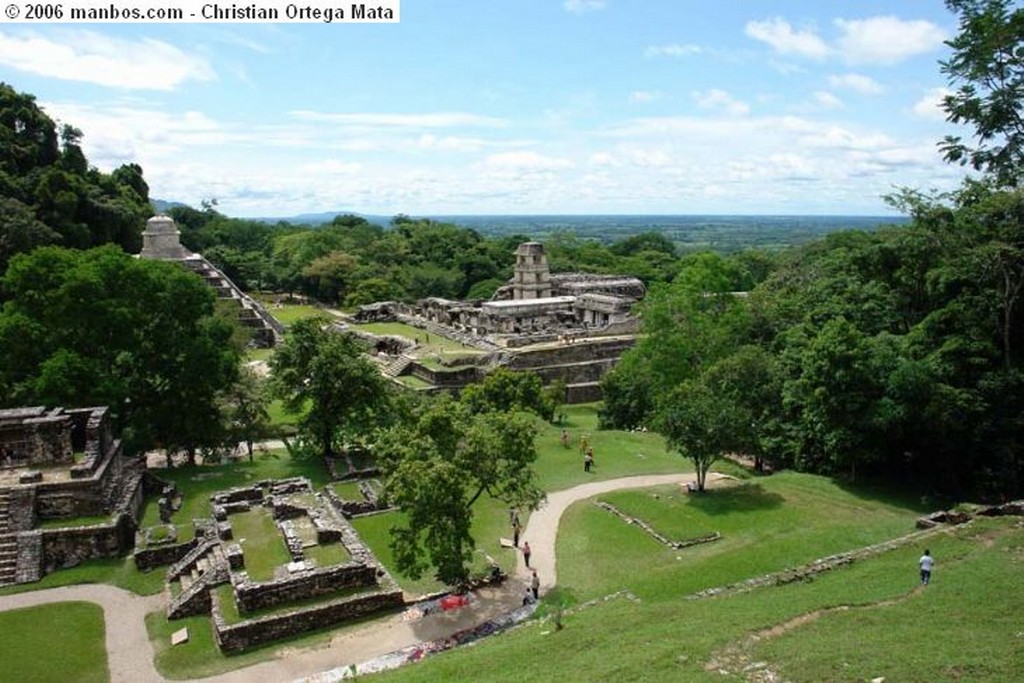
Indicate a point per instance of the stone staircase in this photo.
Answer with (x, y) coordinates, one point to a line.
(5, 511)
(8, 559)
(204, 567)
(266, 329)
(397, 366)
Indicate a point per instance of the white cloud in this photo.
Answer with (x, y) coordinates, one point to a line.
(827, 100)
(856, 82)
(647, 157)
(672, 50)
(432, 120)
(450, 143)
(86, 56)
(603, 159)
(643, 96)
(930, 106)
(780, 35)
(331, 166)
(886, 40)
(581, 6)
(525, 161)
(721, 101)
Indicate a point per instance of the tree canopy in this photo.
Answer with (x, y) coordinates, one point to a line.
(987, 70)
(438, 465)
(50, 194)
(98, 327)
(322, 375)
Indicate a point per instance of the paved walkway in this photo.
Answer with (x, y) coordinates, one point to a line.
(131, 655)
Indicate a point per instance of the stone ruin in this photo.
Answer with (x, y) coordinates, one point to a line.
(161, 241)
(571, 327)
(301, 596)
(63, 464)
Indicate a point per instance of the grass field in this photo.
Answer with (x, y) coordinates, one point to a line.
(767, 524)
(262, 543)
(287, 314)
(54, 643)
(854, 624)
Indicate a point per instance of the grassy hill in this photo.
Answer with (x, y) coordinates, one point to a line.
(868, 620)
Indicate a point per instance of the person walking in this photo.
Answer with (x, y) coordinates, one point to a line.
(526, 553)
(925, 563)
(535, 585)
(588, 460)
(516, 529)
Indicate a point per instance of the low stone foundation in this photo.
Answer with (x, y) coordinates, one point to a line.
(247, 634)
(310, 583)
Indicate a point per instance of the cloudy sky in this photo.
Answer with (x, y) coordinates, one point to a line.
(513, 107)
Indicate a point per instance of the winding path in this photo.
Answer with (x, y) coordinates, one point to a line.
(130, 653)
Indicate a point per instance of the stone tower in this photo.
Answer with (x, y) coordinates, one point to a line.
(532, 276)
(160, 240)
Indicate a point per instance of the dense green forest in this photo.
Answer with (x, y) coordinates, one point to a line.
(894, 353)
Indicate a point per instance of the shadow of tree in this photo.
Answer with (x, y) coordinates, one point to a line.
(747, 497)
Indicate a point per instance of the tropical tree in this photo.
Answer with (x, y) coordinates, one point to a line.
(246, 409)
(99, 327)
(508, 390)
(702, 425)
(987, 68)
(322, 374)
(438, 466)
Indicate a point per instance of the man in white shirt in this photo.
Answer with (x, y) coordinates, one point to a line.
(926, 562)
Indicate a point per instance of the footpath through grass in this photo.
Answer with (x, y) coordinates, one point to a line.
(54, 643)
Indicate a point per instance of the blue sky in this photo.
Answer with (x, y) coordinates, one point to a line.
(502, 106)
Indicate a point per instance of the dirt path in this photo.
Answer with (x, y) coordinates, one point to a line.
(131, 654)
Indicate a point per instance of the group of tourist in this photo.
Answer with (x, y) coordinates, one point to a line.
(533, 591)
(585, 449)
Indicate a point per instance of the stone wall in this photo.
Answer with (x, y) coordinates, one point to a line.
(22, 508)
(445, 378)
(30, 557)
(247, 634)
(583, 393)
(578, 352)
(161, 556)
(64, 500)
(71, 546)
(311, 583)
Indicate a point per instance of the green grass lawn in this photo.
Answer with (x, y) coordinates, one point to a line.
(287, 314)
(118, 571)
(347, 490)
(767, 524)
(326, 554)
(74, 521)
(616, 453)
(262, 543)
(54, 643)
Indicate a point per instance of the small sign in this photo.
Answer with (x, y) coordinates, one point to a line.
(180, 636)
